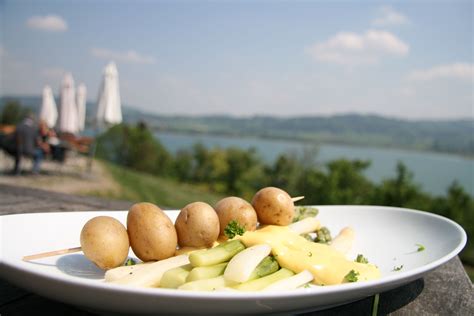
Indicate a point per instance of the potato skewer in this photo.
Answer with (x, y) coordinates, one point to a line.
(77, 249)
(51, 253)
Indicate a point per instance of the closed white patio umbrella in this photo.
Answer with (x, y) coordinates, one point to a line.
(81, 96)
(68, 119)
(48, 110)
(109, 108)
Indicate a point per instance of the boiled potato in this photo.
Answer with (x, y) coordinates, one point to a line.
(273, 206)
(197, 225)
(151, 232)
(104, 241)
(236, 209)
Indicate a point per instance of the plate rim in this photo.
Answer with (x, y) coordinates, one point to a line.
(403, 277)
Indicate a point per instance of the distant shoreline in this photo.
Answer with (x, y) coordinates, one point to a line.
(311, 142)
(450, 137)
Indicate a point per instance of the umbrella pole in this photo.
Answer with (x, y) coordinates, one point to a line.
(91, 156)
(92, 151)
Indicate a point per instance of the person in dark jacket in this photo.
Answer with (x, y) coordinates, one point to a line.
(29, 143)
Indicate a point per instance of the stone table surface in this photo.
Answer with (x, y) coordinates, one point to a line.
(444, 291)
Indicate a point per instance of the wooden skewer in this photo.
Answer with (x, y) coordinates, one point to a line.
(51, 253)
(297, 198)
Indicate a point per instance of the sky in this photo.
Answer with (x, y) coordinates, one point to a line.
(406, 59)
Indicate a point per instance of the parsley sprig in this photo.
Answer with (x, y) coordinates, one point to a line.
(352, 276)
(233, 229)
(361, 259)
(130, 262)
(420, 247)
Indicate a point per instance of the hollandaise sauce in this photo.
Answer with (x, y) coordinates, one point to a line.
(295, 253)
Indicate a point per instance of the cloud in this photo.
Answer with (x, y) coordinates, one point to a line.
(53, 73)
(448, 71)
(48, 23)
(130, 56)
(388, 16)
(348, 48)
(407, 91)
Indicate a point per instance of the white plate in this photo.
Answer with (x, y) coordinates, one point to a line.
(386, 235)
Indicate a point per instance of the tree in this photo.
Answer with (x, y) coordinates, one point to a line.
(146, 153)
(245, 172)
(285, 173)
(134, 147)
(458, 205)
(401, 191)
(183, 165)
(312, 185)
(346, 183)
(13, 113)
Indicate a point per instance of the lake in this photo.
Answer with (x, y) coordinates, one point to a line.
(434, 172)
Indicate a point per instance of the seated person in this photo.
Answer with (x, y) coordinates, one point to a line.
(43, 147)
(31, 141)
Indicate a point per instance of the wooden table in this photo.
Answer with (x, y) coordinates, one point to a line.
(444, 291)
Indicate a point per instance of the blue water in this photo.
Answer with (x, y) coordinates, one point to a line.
(434, 172)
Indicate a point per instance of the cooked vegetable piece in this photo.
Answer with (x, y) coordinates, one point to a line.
(294, 252)
(323, 236)
(261, 283)
(302, 212)
(304, 226)
(240, 267)
(207, 285)
(344, 240)
(219, 254)
(267, 266)
(175, 277)
(151, 274)
(187, 250)
(206, 272)
(292, 282)
(120, 272)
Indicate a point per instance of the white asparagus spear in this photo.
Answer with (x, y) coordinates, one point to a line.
(292, 282)
(240, 267)
(119, 272)
(344, 240)
(305, 226)
(150, 275)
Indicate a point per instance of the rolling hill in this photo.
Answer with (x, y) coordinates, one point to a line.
(453, 136)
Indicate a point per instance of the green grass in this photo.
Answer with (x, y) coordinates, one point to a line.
(167, 193)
